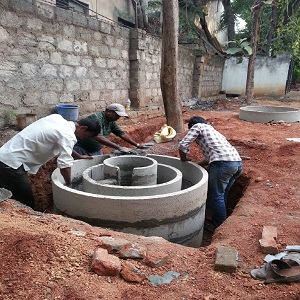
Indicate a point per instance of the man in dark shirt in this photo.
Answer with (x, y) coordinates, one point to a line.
(107, 120)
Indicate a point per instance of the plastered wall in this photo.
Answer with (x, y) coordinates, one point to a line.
(270, 75)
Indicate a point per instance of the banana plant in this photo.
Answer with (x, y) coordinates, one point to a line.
(242, 47)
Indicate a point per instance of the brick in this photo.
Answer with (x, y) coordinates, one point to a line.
(226, 259)
(268, 241)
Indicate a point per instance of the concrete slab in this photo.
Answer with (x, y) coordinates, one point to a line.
(265, 114)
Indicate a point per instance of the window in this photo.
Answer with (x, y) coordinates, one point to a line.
(75, 5)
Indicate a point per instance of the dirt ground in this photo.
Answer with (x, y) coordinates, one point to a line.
(46, 256)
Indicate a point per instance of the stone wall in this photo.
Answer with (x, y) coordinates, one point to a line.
(207, 75)
(50, 55)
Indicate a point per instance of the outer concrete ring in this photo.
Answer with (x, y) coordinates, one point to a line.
(265, 114)
(176, 216)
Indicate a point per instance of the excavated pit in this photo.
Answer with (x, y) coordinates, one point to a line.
(265, 114)
(152, 195)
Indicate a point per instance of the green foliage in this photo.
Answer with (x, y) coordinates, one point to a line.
(243, 47)
(287, 35)
(188, 14)
(296, 73)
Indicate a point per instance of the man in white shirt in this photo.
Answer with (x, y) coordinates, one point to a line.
(223, 161)
(28, 150)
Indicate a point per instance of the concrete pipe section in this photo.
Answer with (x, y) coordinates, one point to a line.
(265, 114)
(173, 207)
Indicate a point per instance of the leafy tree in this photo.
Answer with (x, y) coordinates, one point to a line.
(279, 27)
(230, 22)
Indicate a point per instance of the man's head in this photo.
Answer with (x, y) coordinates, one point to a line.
(114, 111)
(87, 128)
(195, 120)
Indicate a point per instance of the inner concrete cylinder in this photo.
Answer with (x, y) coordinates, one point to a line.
(169, 179)
(177, 216)
(131, 170)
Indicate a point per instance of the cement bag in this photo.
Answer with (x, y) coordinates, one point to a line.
(165, 134)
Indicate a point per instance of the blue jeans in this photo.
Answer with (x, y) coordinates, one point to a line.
(221, 177)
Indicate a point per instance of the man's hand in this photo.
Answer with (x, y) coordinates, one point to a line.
(186, 159)
(124, 150)
(85, 157)
(142, 146)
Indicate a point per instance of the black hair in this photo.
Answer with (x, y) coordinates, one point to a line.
(194, 120)
(92, 125)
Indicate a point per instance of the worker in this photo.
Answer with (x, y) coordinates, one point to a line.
(28, 150)
(107, 120)
(223, 163)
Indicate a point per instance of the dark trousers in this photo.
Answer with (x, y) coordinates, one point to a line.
(221, 177)
(17, 181)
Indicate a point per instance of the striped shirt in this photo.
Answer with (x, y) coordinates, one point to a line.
(90, 144)
(212, 143)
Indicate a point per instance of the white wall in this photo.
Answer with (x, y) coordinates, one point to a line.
(111, 9)
(269, 77)
(214, 11)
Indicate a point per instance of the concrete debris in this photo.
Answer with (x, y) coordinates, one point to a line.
(4, 194)
(226, 259)
(165, 279)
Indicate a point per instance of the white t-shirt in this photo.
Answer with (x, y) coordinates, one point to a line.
(39, 142)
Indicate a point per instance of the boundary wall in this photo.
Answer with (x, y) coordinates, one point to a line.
(50, 55)
(270, 78)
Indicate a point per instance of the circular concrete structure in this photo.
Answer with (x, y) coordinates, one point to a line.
(176, 215)
(94, 181)
(265, 114)
(131, 170)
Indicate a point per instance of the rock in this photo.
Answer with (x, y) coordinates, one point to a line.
(130, 273)
(105, 264)
(226, 259)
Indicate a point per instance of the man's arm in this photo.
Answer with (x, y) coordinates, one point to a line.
(66, 174)
(104, 141)
(126, 137)
(183, 156)
(76, 155)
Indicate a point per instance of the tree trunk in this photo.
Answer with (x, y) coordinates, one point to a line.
(206, 30)
(140, 15)
(292, 7)
(229, 17)
(255, 17)
(144, 4)
(169, 68)
(272, 29)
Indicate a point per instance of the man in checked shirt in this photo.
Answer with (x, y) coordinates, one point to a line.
(223, 161)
